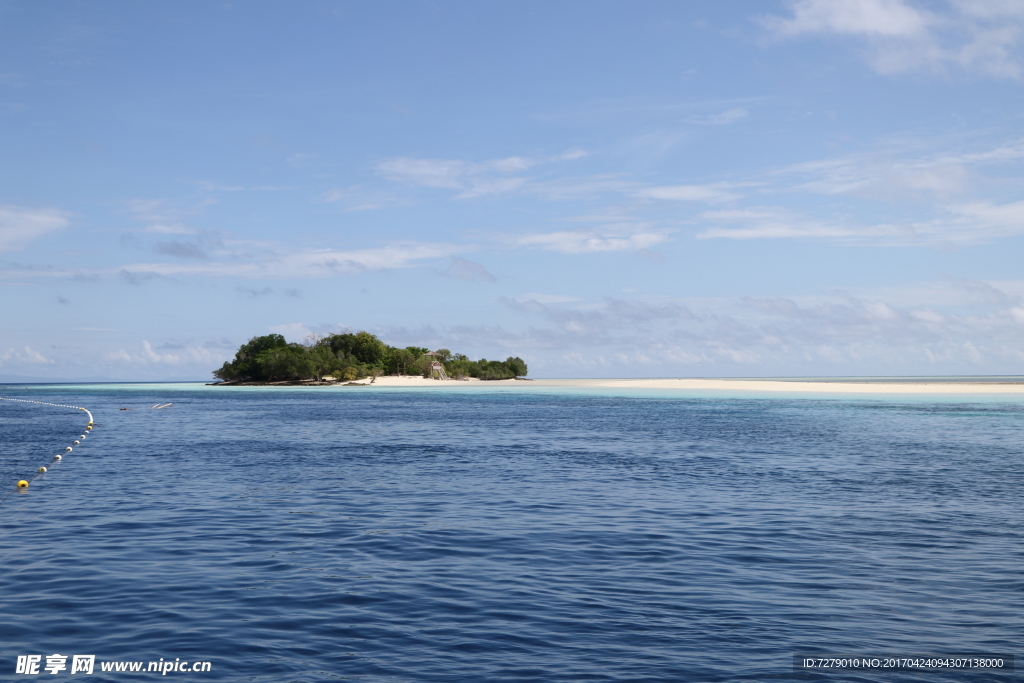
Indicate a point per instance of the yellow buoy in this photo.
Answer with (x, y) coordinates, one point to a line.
(42, 469)
(22, 484)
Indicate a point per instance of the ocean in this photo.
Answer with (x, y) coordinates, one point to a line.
(514, 534)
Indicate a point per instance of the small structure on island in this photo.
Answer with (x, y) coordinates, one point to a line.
(435, 364)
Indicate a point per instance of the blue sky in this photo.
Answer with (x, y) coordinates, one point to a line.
(819, 187)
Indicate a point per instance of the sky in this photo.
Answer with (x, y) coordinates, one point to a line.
(605, 189)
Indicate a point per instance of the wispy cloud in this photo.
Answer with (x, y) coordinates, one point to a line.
(985, 220)
(955, 224)
(893, 18)
(899, 171)
(582, 187)
(161, 229)
(721, 119)
(711, 192)
(360, 198)
(543, 298)
(843, 333)
(168, 354)
(778, 223)
(975, 36)
(24, 356)
(464, 269)
(251, 293)
(212, 186)
(180, 249)
(166, 216)
(470, 179)
(599, 318)
(20, 225)
(266, 261)
(583, 242)
(937, 196)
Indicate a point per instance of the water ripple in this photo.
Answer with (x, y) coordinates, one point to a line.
(396, 536)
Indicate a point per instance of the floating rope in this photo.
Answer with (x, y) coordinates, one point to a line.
(24, 483)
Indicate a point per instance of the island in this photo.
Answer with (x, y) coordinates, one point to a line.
(344, 358)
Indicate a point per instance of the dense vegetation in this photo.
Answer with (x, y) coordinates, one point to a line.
(350, 356)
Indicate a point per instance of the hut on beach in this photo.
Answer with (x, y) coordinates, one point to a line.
(435, 364)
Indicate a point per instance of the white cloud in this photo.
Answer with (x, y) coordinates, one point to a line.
(482, 188)
(986, 220)
(25, 356)
(581, 242)
(19, 225)
(442, 173)
(937, 189)
(165, 216)
(978, 36)
(722, 119)
(267, 261)
(167, 354)
(917, 329)
(576, 188)
(712, 193)
(776, 223)
(180, 249)
(157, 210)
(161, 229)
(842, 333)
(900, 171)
(471, 179)
(211, 186)
(543, 298)
(855, 17)
(464, 269)
(570, 155)
(360, 198)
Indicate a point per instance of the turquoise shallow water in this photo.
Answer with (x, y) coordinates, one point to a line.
(508, 535)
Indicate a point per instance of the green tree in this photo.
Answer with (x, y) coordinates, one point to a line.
(270, 358)
(322, 361)
(369, 349)
(362, 347)
(288, 363)
(246, 366)
(403, 360)
(516, 366)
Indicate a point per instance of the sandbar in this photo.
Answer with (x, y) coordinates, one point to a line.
(901, 386)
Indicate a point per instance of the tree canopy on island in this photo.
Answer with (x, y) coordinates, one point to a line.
(351, 356)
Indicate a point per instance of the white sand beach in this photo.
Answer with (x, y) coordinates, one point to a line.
(907, 386)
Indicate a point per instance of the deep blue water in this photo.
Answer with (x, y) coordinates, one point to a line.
(404, 535)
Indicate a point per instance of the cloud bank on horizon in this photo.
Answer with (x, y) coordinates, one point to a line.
(812, 187)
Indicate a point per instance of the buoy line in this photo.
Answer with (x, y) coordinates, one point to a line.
(24, 483)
